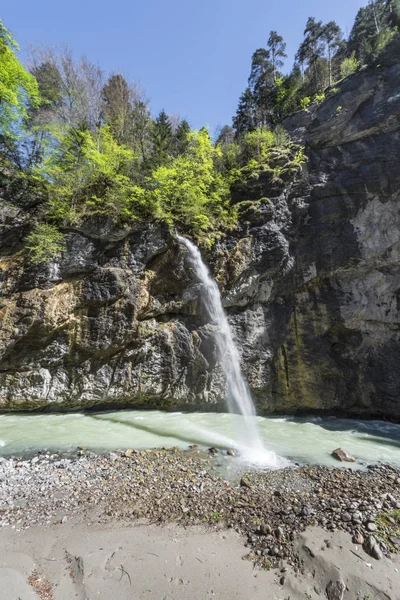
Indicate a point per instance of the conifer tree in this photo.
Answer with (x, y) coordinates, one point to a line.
(277, 49)
(244, 120)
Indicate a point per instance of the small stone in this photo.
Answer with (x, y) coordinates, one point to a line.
(307, 512)
(64, 519)
(34, 460)
(358, 538)
(213, 451)
(342, 455)
(279, 533)
(231, 452)
(335, 590)
(128, 453)
(244, 482)
(371, 526)
(282, 580)
(265, 529)
(356, 517)
(346, 517)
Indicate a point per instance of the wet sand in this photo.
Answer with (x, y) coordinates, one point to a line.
(87, 560)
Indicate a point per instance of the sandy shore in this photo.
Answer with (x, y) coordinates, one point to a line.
(85, 560)
(161, 524)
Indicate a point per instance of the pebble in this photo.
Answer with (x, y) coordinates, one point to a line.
(358, 538)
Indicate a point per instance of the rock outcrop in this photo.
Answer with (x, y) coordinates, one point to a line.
(311, 284)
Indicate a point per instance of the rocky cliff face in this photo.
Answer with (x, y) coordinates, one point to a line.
(311, 284)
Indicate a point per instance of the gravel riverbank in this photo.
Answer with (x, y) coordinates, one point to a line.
(268, 509)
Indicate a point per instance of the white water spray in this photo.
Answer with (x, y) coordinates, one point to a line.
(238, 396)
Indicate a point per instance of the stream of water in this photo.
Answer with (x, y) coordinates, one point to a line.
(239, 398)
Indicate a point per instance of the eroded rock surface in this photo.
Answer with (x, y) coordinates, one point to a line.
(311, 284)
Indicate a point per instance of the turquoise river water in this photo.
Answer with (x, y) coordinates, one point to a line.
(299, 440)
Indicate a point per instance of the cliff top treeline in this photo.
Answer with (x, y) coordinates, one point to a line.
(76, 143)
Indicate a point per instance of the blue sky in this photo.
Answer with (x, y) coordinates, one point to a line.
(191, 57)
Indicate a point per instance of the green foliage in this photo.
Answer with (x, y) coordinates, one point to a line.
(190, 192)
(281, 137)
(349, 66)
(305, 102)
(18, 89)
(88, 173)
(299, 158)
(256, 145)
(44, 243)
(318, 98)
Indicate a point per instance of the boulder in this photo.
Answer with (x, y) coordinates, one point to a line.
(343, 456)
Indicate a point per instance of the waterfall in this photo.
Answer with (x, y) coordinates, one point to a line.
(238, 393)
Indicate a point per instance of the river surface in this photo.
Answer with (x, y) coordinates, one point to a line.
(300, 440)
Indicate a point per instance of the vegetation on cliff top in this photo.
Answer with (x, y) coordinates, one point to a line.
(323, 58)
(75, 143)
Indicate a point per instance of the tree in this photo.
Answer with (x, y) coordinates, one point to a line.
(81, 84)
(87, 173)
(226, 136)
(311, 49)
(181, 136)
(50, 85)
(277, 49)
(18, 88)
(332, 36)
(189, 190)
(244, 120)
(370, 27)
(118, 108)
(162, 139)
(261, 83)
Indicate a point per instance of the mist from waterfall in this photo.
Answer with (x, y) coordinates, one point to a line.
(238, 394)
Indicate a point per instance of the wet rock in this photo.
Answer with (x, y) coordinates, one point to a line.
(335, 590)
(342, 455)
(231, 452)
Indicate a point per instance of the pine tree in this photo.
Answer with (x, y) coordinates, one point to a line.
(244, 120)
(182, 138)
(118, 108)
(311, 49)
(332, 37)
(261, 83)
(162, 139)
(277, 49)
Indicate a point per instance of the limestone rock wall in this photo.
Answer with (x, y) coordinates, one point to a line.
(311, 284)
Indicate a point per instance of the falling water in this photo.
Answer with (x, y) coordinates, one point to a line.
(238, 393)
